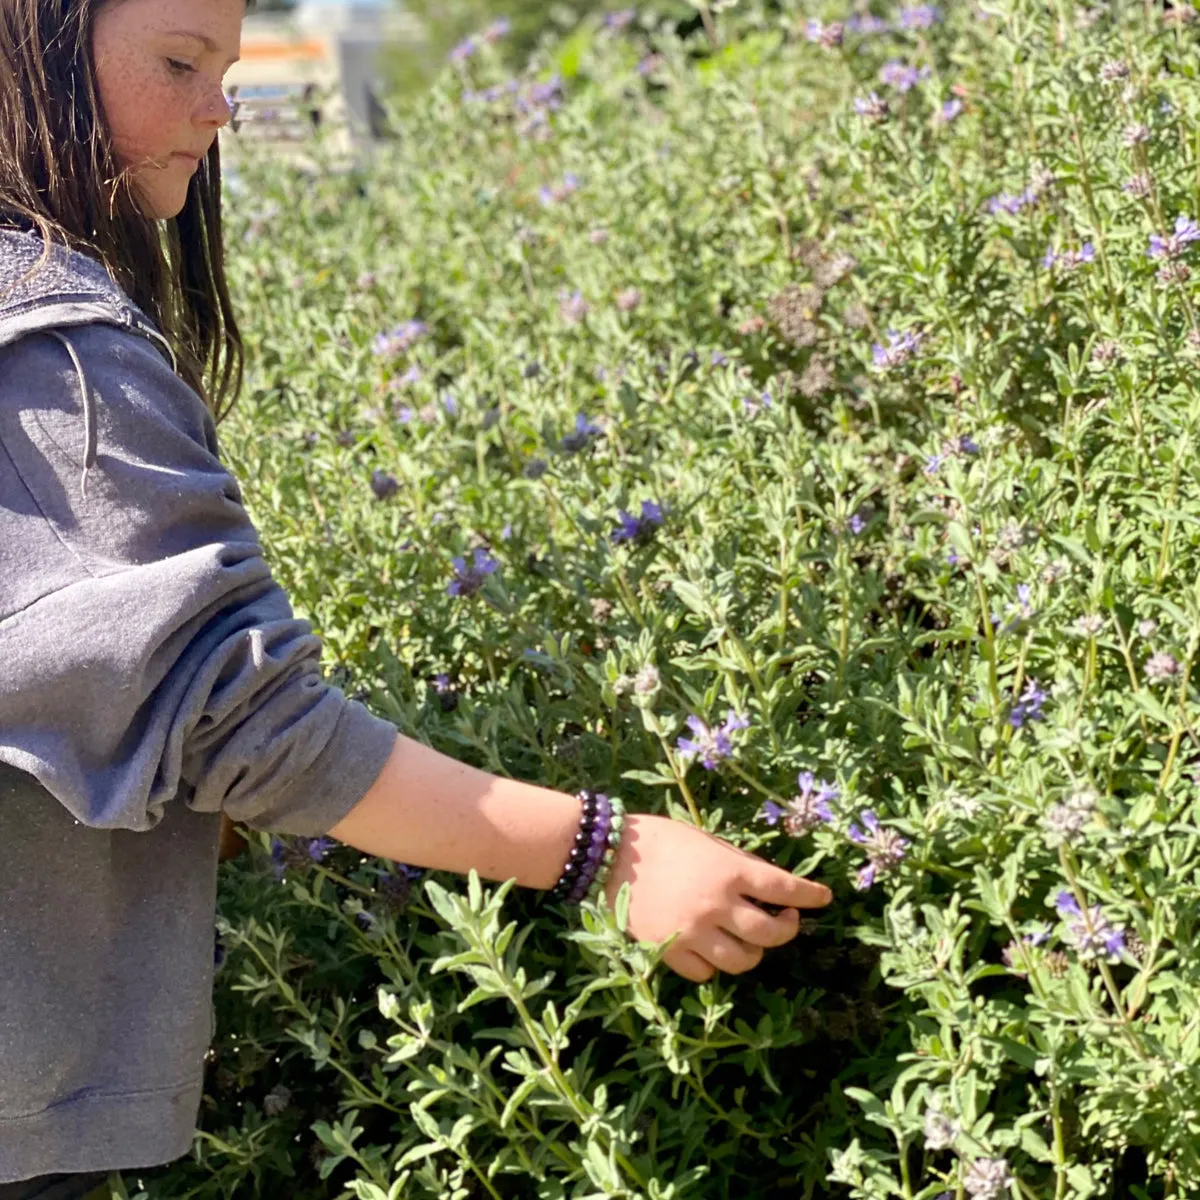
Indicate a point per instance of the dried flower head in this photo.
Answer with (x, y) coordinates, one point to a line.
(792, 311)
(988, 1178)
(1107, 352)
(1065, 821)
(940, 1130)
(647, 681)
(1161, 666)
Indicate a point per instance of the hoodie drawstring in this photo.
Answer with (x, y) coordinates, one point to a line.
(89, 412)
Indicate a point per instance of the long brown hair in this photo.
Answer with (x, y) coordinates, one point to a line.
(59, 175)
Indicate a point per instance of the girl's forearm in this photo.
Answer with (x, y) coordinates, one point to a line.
(429, 810)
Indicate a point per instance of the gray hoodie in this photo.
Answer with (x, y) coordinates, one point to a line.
(152, 674)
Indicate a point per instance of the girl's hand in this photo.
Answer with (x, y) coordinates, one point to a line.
(683, 878)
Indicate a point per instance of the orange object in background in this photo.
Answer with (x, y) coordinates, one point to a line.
(274, 51)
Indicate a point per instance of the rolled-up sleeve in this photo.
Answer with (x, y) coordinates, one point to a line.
(146, 653)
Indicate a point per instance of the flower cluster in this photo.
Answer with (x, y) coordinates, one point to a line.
(885, 849)
(901, 76)
(1010, 205)
(873, 107)
(1068, 260)
(1091, 933)
(400, 339)
(900, 348)
(469, 579)
(1029, 705)
(638, 529)
(582, 436)
(806, 810)
(828, 36)
(1172, 245)
(1065, 821)
(711, 745)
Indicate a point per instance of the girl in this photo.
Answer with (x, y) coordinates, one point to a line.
(155, 679)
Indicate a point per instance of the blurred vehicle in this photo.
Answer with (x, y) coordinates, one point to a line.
(314, 69)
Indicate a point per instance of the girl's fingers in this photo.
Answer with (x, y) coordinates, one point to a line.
(773, 886)
(690, 965)
(726, 952)
(759, 928)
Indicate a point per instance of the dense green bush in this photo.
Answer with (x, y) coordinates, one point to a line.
(894, 325)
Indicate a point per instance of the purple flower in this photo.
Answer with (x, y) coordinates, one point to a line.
(1029, 706)
(900, 347)
(573, 307)
(805, 811)
(497, 29)
(857, 523)
(901, 76)
(1092, 934)
(383, 484)
(828, 36)
(621, 19)
(885, 849)
(560, 191)
(753, 405)
(450, 404)
(650, 64)
(711, 745)
(1173, 245)
(582, 437)
(470, 579)
(1069, 259)
(867, 24)
(464, 50)
(318, 848)
(400, 339)
(638, 529)
(873, 107)
(719, 359)
(1006, 203)
(950, 111)
(442, 684)
(919, 16)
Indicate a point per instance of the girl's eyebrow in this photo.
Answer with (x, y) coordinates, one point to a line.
(203, 38)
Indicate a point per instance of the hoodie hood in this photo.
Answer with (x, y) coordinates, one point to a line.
(69, 289)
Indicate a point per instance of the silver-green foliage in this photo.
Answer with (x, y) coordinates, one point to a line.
(951, 566)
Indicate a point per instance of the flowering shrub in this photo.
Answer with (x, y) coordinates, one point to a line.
(865, 536)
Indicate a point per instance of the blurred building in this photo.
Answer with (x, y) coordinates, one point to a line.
(314, 67)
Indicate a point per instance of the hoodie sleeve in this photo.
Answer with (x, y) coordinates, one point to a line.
(148, 654)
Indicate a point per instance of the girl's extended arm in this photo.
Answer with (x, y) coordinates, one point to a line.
(429, 810)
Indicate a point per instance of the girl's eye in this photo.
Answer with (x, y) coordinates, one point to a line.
(180, 68)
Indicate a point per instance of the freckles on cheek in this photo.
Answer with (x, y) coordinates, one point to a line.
(136, 106)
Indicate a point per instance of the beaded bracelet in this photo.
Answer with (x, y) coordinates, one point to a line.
(589, 864)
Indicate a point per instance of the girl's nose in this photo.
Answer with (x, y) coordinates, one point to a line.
(215, 109)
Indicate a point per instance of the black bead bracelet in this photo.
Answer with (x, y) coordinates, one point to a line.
(601, 824)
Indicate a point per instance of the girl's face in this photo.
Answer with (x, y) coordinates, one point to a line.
(159, 66)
